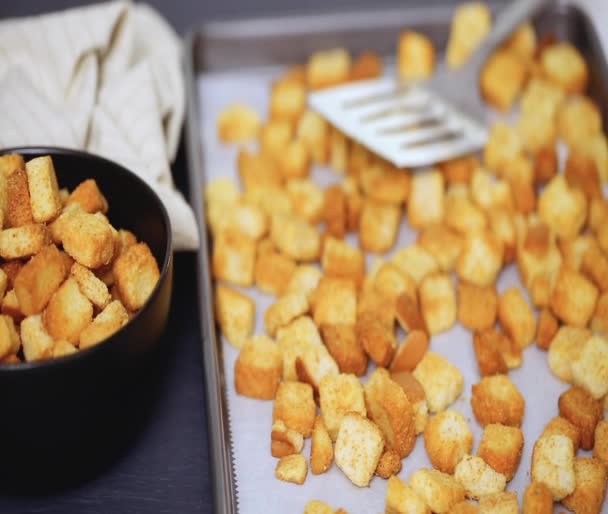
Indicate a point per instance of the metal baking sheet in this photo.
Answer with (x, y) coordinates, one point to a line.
(237, 61)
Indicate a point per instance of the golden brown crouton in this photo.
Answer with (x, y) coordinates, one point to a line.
(295, 237)
(93, 288)
(274, 138)
(22, 241)
(559, 425)
(294, 405)
(537, 499)
(471, 23)
(583, 411)
(335, 211)
(600, 447)
(10, 305)
(459, 170)
(39, 279)
(108, 321)
(235, 313)
(426, 199)
(553, 464)
(307, 199)
(373, 303)
(344, 346)
(11, 162)
(321, 448)
(342, 260)
(4, 283)
(501, 448)
(464, 507)
(588, 495)
(238, 123)
(317, 507)
(488, 351)
(11, 269)
(294, 161)
(233, 258)
(304, 280)
(389, 464)
(439, 491)
(391, 282)
(502, 147)
(284, 441)
(292, 468)
(545, 164)
(496, 399)
(596, 148)
(502, 78)
(44, 192)
(411, 352)
(481, 259)
(136, 273)
(257, 370)
(599, 322)
(89, 239)
(313, 130)
(563, 65)
(595, 266)
(443, 243)
(478, 478)
(358, 448)
(389, 186)
(257, 170)
(442, 381)
(401, 499)
(447, 439)
(313, 364)
(581, 172)
(287, 101)
(273, 272)
(574, 297)
(388, 406)
(438, 302)
(589, 370)
(416, 56)
(415, 394)
(415, 261)
(522, 41)
(339, 394)
(376, 338)
(89, 197)
(335, 302)
(562, 207)
(37, 343)
(10, 341)
(328, 68)
(284, 310)
(565, 349)
(338, 150)
(18, 207)
(68, 312)
(378, 226)
(546, 329)
(578, 119)
(294, 340)
(63, 348)
(516, 317)
(367, 65)
(477, 306)
(499, 503)
(573, 250)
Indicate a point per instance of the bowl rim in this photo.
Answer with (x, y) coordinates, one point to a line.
(164, 271)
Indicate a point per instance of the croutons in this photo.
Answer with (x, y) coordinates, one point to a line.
(44, 192)
(401, 499)
(471, 23)
(235, 313)
(287, 100)
(274, 138)
(284, 441)
(426, 199)
(481, 259)
(295, 237)
(499, 503)
(335, 302)
(317, 507)
(537, 499)
(338, 150)
(273, 271)
(516, 317)
(416, 262)
(388, 406)
(386, 186)
(294, 339)
(411, 351)
(346, 349)
(358, 448)
(257, 370)
(92, 287)
(574, 297)
(292, 468)
(563, 65)
(443, 243)
(438, 302)
(478, 478)
(136, 273)
(477, 306)
(595, 266)
(583, 411)
(442, 381)
(367, 65)
(416, 56)
(328, 68)
(294, 405)
(447, 439)
(378, 226)
(335, 211)
(88, 196)
(339, 394)
(313, 130)
(342, 260)
(108, 321)
(304, 280)
(260, 177)
(307, 199)
(439, 491)
(408, 313)
(63, 348)
(495, 399)
(545, 164)
(553, 464)
(459, 170)
(490, 359)
(600, 447)
(502, 79)
(37, 342)
(415, 394)
(560, 425)
(546, 329)
(313, 364)
(389, 464)
(501, 448)
(18, 207)
(22, 241)
(376, 338)
(321, 448)
(590, 369)
(10, 342)
(238, 123)
(588, 495)
(68, 312)
(565, 349)
(562, 207)
(11, 162)
(89, 239)
(284, 310)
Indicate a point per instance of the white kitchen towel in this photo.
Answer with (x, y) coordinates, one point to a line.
(106, 78)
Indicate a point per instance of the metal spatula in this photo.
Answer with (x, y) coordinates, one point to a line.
(418, 125)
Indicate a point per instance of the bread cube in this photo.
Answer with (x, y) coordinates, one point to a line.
(426, 204)
(438, 490)
(359, 446)
(88, 196)
(596, 148)
(415, 394)
(233, 258)
(338, 395)
(4, 282)
(595, 267)
(22, 241)
(287, 100)
(391, 282)
(573, 250)
(376, 338)
(10, 341)
(537, 499)
(313, 131)
(516, 317)
(522, 41)
(335, 211)
(294, 162)
(257, 370)
(564, 65)
(294, 405)
(478, 478)
(481, 259)
(335, 302)
(574, 297)
(258, 170)
(235, 313)
(386, 186)
(44, 192)
(378, 306)
(438, 302)
(461, 214)
(443, 243)
(560, 425)
(294, 340)
(442, 381)
(378, 226)
(581, 172)
(416, 56)
(388, 406)
(338, 150)
(295, 237)
(499, 503)
(464, 507)
(313, 364)
(321, 448)
(68, 312)
(11, 269)
(136, 273)
(92, 287)
(275, 135)
(471, 23)
(553, 464)
(447, 439)
(416, 261)
(283, 311)
(284, 441)
(11, 162)
(477, 306)
(307, 199)
(411, 352)
(328, 68)
(109, 320)
(583, 411)
(10, 306)
(547, 329)
(367, 65)
(401, 499)
(501, 448)
(37, 342)
(344, 346)
(89, 239)
(562, 207)
(502, 79)
(565, 348)
(317, 507)
(459, 170)
(487, 192)
(18, 206)
(273, 271)
(589, 370)
(600, 447)
(545, 164)
(341, 260)
(63, 348)
(588, 495)
(292, 468)
(490, 359)
(238, 123)
(495, 399)
(389, 464)
(304, 280)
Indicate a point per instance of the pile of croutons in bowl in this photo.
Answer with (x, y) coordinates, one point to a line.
(68, 278)
(533, 200)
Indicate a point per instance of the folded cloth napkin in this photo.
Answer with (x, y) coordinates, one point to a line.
(105, 78)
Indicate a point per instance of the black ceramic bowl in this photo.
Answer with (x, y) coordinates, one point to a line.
(69, 406)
